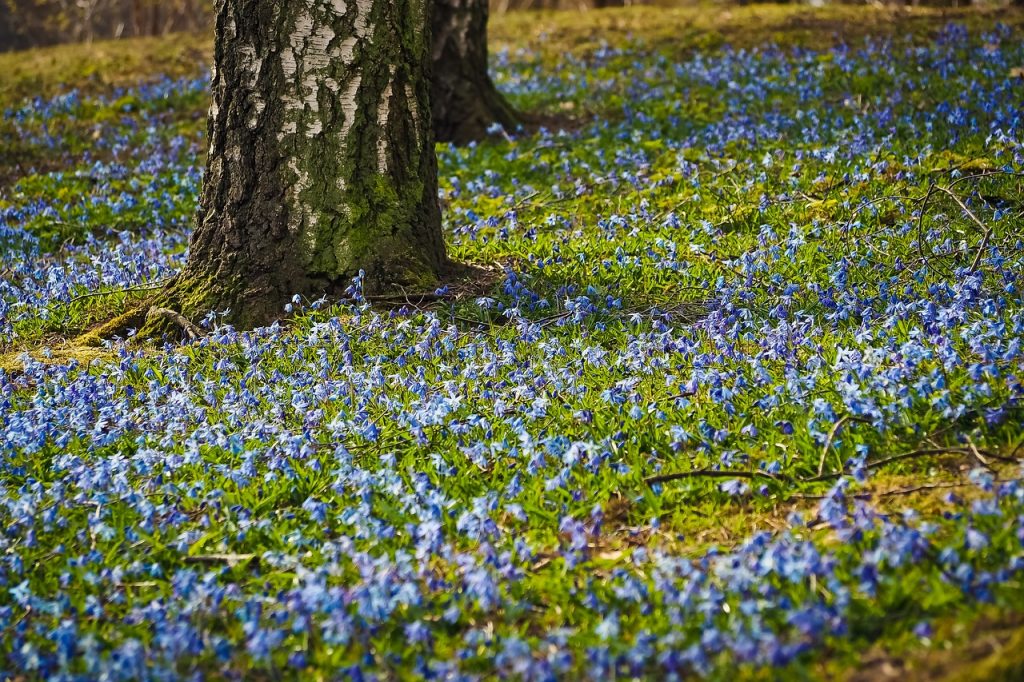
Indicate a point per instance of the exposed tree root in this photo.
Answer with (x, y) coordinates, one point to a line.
(169, 314)
(177, 318)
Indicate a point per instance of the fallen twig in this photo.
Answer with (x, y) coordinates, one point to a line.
(831, 436)
(1016, 448)
(553, 319)
(406, 298)
(678, 396)
(921, 488)
(920, 223)
(475, 323)
(522, 202)
(142, 287)
(885, 493)
(922, 452)
(977, 455)
(711, 473)
(986, 229)
(229, 559)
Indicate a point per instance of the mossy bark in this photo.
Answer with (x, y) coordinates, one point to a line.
(464, 99)
(321, 159)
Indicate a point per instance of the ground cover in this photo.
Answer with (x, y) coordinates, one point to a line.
(743, 401)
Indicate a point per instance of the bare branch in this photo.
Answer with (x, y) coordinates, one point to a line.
(831, 436)
(986, 229)
(229, 559)
(711, 473)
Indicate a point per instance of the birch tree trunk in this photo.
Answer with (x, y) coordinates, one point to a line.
(321, 158)
(464, 99)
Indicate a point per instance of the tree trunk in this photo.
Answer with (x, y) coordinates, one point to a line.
(321, 158)
(154, 26)
(464, 99)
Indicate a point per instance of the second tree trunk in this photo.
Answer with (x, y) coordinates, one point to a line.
(464, 100)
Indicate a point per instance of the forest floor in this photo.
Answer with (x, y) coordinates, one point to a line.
(744, 401)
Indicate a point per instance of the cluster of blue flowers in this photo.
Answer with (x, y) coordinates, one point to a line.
(781, 286)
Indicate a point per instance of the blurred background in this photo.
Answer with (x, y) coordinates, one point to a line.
(35, 23)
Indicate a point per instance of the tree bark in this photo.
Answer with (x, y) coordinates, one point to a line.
(321, 158)
(464, 99)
